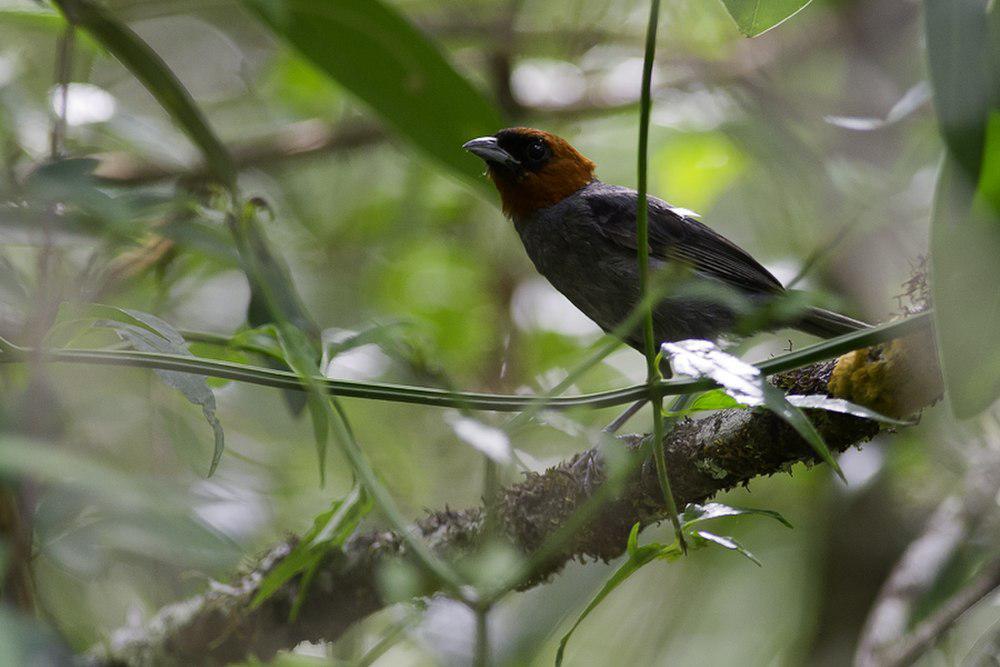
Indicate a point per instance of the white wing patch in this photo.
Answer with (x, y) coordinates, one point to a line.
(684, 212)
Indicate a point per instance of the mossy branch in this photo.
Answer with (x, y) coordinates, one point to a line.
(726, 449)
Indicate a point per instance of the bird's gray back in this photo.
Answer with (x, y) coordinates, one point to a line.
(568, 246)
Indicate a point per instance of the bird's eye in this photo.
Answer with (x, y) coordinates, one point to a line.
(536, 150)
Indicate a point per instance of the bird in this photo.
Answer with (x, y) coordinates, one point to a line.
(581, 235)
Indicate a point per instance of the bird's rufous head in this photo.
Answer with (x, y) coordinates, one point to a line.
(532, 169)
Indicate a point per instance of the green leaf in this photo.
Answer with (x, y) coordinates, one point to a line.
(963, 52)
(301, 358)
(154, 74)
(148, 333)
(639, 556)
(777, 403)
(963, 49)
(383, 334)
(273, 298)
(268, 272)
(194, 387)
(262, 340)
(329, 531)
(379, 56)
(718, 399)
(632, 565)
(965, 245)
(714, 399)
(218, 353)
(746, 384)
(754, 17)
(71, 184)
(336, 524)
(127, 316)
(726, 542)
(632, 545)
(823, 402)
(694, 513)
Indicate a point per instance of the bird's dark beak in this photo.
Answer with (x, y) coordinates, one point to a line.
(490, 152)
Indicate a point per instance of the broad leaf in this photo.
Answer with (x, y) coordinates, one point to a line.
(718, 399)
(194, 387)
(964, 58)
(726, 542)
(264, 269)
(777, 403)
(714, 399)
(637, 557)
(146, 333)
(746, 384)
(273, 298)
(694, 513)
(823, 402)
(965, 242)
(641, 555)
(378, 55)
(262, 340)
(754, 17)
(963, 49)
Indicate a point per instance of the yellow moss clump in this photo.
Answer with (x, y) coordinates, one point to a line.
(896, 378)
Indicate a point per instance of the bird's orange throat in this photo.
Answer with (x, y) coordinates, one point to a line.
(524, 193)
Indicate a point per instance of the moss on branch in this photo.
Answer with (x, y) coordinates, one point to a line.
(705, 456)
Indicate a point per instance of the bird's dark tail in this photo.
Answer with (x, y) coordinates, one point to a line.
(828, 324)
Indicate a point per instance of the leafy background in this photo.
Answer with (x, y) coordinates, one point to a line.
(813, 145)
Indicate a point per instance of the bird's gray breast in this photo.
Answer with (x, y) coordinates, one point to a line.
(566, 246)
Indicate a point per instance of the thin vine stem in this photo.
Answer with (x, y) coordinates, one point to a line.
(642, 231)
(481, 658)
(64, 66)
(10, 353)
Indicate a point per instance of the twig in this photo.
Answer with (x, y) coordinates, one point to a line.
(309, 138)
(621, 419)
(501, 61)
(316, 138)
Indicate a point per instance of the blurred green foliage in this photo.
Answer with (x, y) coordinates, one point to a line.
(757, 16)
(347, 118)
(965, 73)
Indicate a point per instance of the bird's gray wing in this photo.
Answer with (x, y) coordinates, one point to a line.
(675, 235)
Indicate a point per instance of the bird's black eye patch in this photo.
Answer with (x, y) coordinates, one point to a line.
(531, 150)
(536, 150)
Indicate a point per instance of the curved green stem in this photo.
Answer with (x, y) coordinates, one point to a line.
(642, 233)
(379, 391)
